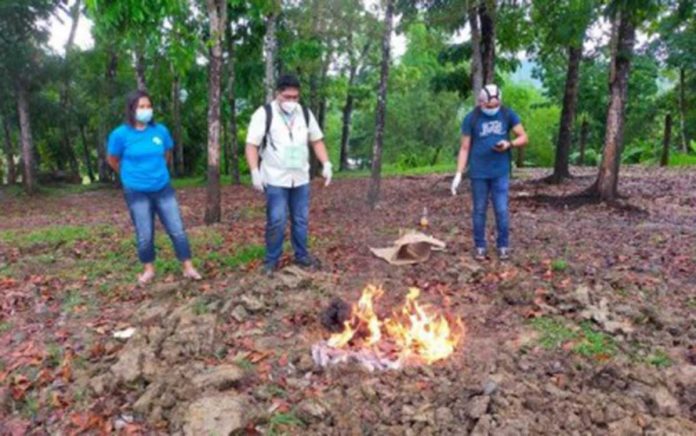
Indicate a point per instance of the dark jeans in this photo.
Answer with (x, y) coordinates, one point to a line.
(143, 206)
(278, 202)
(497, 190)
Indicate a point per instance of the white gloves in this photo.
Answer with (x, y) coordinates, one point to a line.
(257, 179)
(327, 173)
(455, 183)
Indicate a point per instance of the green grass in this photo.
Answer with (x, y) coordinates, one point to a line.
(682, 160)
(659, 359)
(72, 301)
(53, 235)
(559, 265)
(243, 256)
(245, 364)
(553, 333)
(5, 326)
(280, 421)
(595, 344)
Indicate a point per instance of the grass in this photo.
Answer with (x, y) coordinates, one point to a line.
(52, 235)
(595, 344)
(587, 341)
(553, 333)
(559, 265)
(659, 359)
(281, 420)
(5, 326)
(681, 160)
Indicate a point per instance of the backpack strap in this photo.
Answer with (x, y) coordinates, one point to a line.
(266, 136)
(476, 113)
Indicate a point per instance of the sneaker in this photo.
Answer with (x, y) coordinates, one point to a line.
(503, 253)
(267, 269)
(309, 262)
(480, 253)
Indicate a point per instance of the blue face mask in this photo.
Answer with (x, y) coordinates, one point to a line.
(143, 115)
(490, 111)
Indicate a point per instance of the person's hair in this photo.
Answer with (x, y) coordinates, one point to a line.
(287, 81)
(132, 100)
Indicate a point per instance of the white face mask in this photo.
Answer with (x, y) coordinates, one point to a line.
(490, 111)
(288, 106)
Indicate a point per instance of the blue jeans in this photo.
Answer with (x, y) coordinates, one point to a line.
(497, 190)
(143, 206)
(278, 202)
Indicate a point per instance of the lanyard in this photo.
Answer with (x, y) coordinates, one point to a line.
(289, 123)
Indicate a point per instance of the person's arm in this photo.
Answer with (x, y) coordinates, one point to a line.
(464, 145)
(114, 163)
(320, 150)
(520, 136)
(252, 156)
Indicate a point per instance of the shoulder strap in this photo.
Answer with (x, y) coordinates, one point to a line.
(305, 113)
(269, 119)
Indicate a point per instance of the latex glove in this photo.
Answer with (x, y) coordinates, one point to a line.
(257, 180)
(327, 173)
(455, 183)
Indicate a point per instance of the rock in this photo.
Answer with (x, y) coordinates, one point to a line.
(483, 426)
(98, 384)
(676, 426)
(582, 295)
(220, 377)
(490, 386)
(613, 412)
(127, 369)
(662, 402)
(627, 426)
(218, 414)
(478, 406)
(444, 416)
(144, 403)
(251, 303)
(239, 313)
(310, 410)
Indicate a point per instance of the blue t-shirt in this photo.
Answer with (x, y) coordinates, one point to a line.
(142, 155)
(484, 162)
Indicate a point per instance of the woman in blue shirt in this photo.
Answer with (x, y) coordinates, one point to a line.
(138, 151)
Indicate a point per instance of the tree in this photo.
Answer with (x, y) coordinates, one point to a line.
(375, 180)
(270, 49)
(624, 20)
(576, 16)
(217, 15)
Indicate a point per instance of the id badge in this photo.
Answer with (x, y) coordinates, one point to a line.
(295, 157)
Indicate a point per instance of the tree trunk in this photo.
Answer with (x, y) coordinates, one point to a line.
(27, 145)
(9, 152)
(664, 159)
(622, 50)
(105, 172)
(584, 132)
(176, 118)
(347, 117)
(270, 45)
(233, 146)
(85, 154)
(519, 162)
(565, 131)
(375, 180)
(217, 13)
(487, 14)
(140, 69)
(476, 65)
(682, 111)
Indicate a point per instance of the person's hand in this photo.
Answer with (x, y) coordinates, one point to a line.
(327, 173)
(502, 146)
(455, 183)
(257, 179)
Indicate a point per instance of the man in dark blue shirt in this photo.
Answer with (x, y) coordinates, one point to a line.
(486, 147)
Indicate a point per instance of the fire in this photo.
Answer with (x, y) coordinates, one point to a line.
(415, 331)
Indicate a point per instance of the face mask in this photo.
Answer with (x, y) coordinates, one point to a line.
(143, 115)
(490, 111)
(288, 106)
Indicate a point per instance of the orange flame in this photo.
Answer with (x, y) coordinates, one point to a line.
(414, 330)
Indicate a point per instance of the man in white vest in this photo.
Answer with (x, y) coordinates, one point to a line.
(281, 133)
